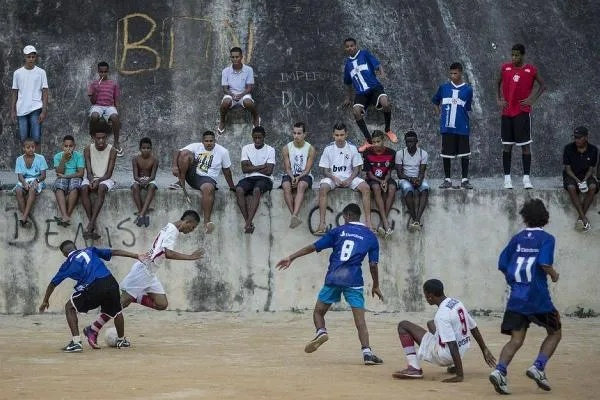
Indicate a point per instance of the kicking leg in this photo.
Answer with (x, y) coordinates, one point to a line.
(319, 321)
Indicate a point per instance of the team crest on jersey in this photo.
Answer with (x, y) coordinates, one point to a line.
(516, 78)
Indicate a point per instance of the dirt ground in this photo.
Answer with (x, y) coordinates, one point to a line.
(260, 356)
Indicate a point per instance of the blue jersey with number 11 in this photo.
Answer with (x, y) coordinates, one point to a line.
(351, 243)
(521, 262)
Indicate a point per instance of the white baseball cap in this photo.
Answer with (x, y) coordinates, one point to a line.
(29, 49)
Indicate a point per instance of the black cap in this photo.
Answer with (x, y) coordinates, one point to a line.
(581, 130)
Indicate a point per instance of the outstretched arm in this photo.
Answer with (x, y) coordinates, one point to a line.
(45, 302)
(124, 253)
(487, 354)
(286, 262)
(174, 255)
(459, 377)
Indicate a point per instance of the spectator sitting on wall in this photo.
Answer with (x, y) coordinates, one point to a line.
(31, 174)
(580, 159)
(69, 166)
(144, 166)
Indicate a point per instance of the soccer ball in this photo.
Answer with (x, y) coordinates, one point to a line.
(110, 337)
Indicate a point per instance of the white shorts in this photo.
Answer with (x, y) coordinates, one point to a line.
(240, 102)
(431, 351)
(353, 185)
(140, 281)
(104, 111)
(109, 183)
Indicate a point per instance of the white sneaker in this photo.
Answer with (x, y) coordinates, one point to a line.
(507, 183)
(527, 182)
(539, 377)
(499, 381)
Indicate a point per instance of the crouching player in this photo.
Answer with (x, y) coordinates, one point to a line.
(447, 340)
(96, 287)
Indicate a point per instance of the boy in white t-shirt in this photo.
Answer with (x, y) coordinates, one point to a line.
(141, 285)
(411, 163)
(341, 164)
(257, 160)
(446, 340)
(199, 164)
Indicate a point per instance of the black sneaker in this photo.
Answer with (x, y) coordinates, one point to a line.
(466, 185)
(371, 359)
(123, 343)
(73, 347)
(314, 344)
(446, 184)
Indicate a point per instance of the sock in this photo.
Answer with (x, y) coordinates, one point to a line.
(147, 301)
(526, 164)
(506, 160)
(387, 116)
(408, 345)
(446, 162)
(366, 350)
(503, 368)
(321, 331)
(99, 323)
(363, 128)
(540, 361)
(464, 166)
(77, 339)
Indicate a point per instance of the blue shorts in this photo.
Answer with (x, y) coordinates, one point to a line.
(330, 294)
(407, 187)
(30, 127)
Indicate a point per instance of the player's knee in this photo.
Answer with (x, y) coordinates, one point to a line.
(402, 326)
(357, 112)
(160, 305)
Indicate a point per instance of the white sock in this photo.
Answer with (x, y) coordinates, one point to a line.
(321, 331)
(77, 339)
(412, 361)
(525, 176)
(367, 350)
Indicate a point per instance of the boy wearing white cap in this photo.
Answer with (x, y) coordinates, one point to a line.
(29, 100)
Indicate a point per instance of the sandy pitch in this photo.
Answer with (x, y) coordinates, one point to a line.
(260, 356)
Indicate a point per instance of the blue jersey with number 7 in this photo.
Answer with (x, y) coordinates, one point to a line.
(350, 243)
(521, 262)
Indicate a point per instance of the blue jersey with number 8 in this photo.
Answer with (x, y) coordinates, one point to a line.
(521, 262)
(350, 243)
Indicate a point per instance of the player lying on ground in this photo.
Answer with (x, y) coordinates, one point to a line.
(95, 287)
(447, 340)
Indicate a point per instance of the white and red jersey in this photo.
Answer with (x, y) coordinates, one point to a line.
(517, 84)
(165, 239)
(453, 323)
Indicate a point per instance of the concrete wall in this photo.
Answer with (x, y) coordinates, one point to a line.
(168, 56)
(463, 235)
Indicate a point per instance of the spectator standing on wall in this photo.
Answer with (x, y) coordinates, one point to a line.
(104, 95)
(29, 100)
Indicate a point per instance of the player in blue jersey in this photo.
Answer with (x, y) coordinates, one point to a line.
(360, 76)
(351, 243)
(95, 287)
(453, 103)
(525, 262)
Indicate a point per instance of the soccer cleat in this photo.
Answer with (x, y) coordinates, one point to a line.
(73, 347)
(92, 337)
(364, 147)
(314, 344)
(123, 343)
(371, 359)
(499, 381)
(507, 183)
(466, 185)
(539, 377)
(446, 184)
(392, 136)
(527, 182)
(409, 373)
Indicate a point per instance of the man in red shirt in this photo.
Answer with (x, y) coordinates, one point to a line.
(515, 97)
(104, 95)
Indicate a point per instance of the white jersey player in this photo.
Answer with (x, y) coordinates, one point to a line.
(141, 283)
(447, 340)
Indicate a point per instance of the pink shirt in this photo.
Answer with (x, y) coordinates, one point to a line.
(107, 92)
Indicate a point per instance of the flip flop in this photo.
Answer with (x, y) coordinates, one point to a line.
(320, 232)
(295, 222)
(175, 186)
(209, 228)
(249, 229)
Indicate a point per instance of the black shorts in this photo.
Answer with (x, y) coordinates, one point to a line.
(591, 182)
(196, 181)
(370, 98)
(514, 321)
(516, 130)
(390, 182)
(103, 293)
(306, 178)
(454, 145)
(261, 182)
